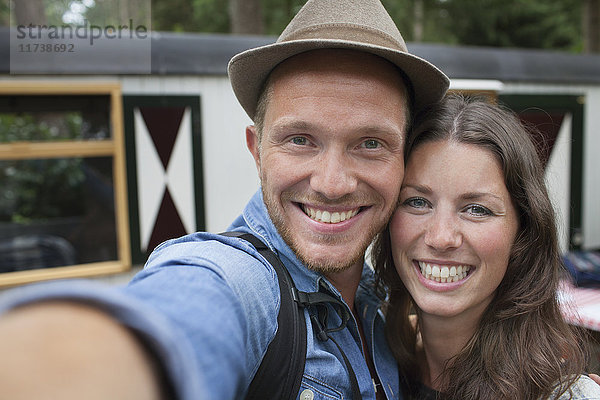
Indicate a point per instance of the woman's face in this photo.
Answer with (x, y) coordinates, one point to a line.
(454, 227)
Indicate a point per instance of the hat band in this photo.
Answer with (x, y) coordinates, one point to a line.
(349, 32)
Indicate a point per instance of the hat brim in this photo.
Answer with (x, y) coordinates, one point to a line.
(249, 70)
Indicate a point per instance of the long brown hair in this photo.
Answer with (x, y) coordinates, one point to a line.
(522, 348)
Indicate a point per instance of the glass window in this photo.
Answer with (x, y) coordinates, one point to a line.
(54, 118)
(56, 212)
(62, 183)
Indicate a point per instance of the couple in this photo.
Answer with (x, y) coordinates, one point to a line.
(470, 247)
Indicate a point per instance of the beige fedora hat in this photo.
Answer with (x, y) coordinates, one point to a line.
(362, 25)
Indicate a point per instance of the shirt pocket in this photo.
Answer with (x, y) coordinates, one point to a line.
(313, 389)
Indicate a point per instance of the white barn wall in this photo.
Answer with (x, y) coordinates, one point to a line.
(230, 176)
(558, 177)
(591, 162)
(591, 170)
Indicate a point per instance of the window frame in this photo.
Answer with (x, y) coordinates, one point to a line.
(113, 147)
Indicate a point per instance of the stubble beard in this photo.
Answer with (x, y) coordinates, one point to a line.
(320, 264)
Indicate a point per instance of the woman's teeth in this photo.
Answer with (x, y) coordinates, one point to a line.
(329, 217)
(442, 273)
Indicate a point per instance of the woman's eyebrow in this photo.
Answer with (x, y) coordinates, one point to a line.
(479, 195)
(419, 188)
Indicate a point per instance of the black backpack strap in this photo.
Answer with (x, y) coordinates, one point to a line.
(280, 373)
(318, 301)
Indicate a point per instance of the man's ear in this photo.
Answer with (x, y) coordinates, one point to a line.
(252, 142)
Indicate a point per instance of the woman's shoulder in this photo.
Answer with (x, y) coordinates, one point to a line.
(584, 388)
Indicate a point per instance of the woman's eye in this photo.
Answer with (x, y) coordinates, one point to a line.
(371, 144)
(416, 202)
(299, 140)
(478, 210)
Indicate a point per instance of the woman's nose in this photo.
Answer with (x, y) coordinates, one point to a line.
(443, 233)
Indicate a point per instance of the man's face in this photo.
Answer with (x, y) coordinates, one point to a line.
(330, 158)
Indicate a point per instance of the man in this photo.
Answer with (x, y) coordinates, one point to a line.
(331, 102)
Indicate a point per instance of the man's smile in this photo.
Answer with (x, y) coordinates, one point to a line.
(328, 217)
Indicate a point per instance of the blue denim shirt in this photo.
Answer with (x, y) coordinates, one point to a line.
(208, 305)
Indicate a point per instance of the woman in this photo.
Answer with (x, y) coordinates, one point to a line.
(472, 251)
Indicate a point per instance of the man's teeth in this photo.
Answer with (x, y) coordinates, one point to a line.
(329, 217)
(443, 274)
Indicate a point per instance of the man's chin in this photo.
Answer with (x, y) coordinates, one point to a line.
(328, 265)
(326, 254)
(321, 253)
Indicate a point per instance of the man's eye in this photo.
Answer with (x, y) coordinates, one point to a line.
(299, 140)
(371, 144)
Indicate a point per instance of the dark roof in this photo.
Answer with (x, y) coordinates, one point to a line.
(199, 53)
(511, 65)
(208, 54)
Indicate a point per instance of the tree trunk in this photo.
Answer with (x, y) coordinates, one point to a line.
(418, 21)
(591, 26)
(136, 10)
(246, 17)
(29, 12)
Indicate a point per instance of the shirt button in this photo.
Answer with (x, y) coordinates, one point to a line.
(307, 394)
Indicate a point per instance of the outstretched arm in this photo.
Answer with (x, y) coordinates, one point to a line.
(63, 348)
(207, 321)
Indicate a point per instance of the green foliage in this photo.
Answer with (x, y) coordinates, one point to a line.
(24, 127)
(119, 12)
(173, 15)
(278, 13)
(4, 13)
(210, 16)
(35, 190)
(550, 24)
(190, 16)
(436, 20)
(55, 10)
(39, 189)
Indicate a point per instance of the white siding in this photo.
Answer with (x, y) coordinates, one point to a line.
(558, 177)
(230, 176)
(591, 148)
(591, 170)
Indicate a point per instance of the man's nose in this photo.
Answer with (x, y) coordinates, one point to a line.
(333, 175)
(443, 232)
